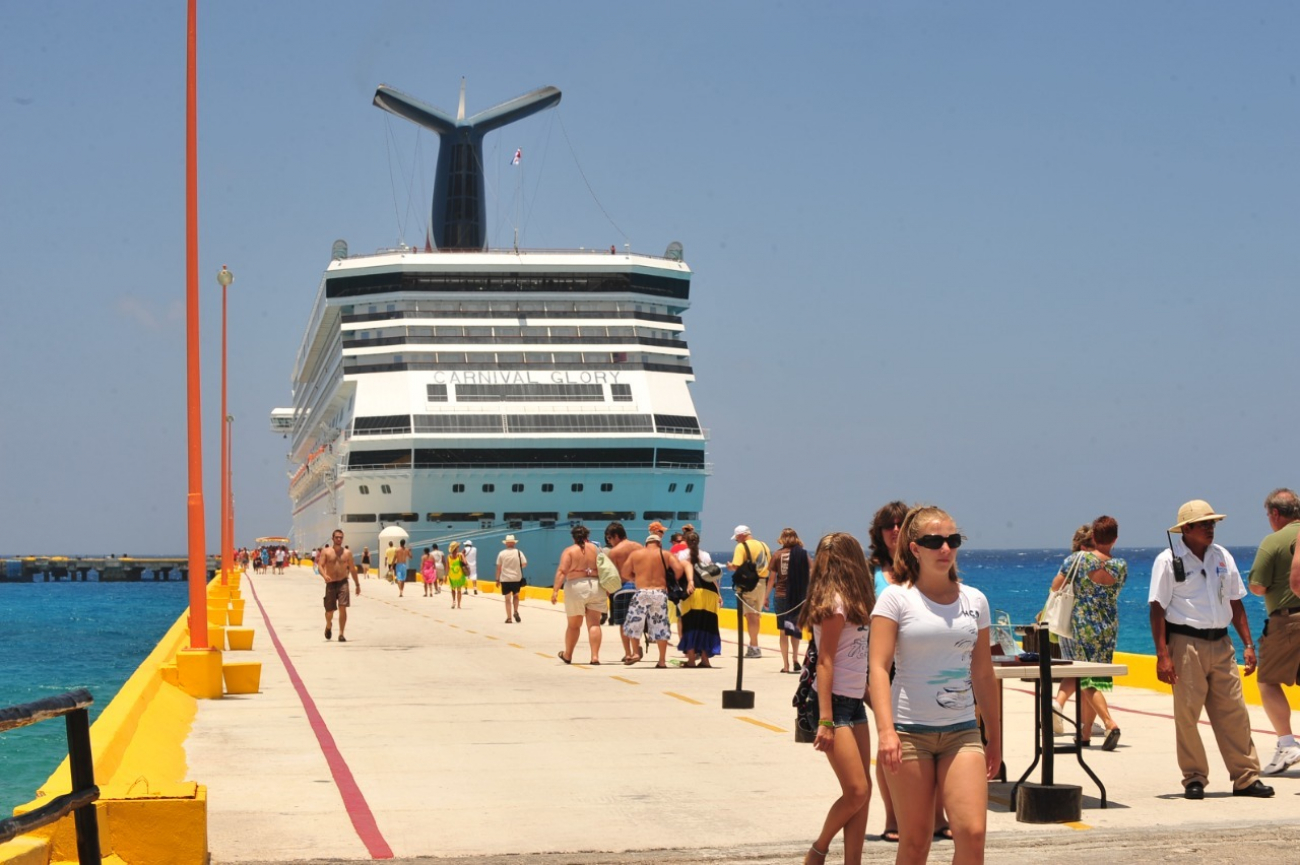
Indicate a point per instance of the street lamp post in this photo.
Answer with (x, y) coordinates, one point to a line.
(225, 277)
(230, 498)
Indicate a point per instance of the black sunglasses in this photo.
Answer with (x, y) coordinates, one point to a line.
(935, 542)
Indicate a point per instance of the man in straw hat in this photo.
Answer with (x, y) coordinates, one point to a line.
(1196, 592)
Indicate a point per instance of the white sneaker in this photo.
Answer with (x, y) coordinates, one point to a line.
(1283, 759)
(753, 652)
(1058, 725)
(1098, 730)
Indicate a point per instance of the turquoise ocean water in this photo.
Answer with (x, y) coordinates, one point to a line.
(57, 636)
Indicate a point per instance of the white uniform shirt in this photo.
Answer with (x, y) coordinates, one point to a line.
(471, 559)
(1204, 599)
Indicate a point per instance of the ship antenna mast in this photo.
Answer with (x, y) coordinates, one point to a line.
(458, 220)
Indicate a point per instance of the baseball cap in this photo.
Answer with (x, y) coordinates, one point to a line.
(654, 539)
(740, 530)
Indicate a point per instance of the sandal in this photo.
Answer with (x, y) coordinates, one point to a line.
(890, 835)
(560, 655)
(632, 659)
(661, 666)
(594, 664)
(813, 851)
(1112, 739)
(943, 833)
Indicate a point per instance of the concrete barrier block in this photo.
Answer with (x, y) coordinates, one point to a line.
(242, 677)
(239, 639)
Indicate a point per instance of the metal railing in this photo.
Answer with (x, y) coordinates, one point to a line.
(81, 801)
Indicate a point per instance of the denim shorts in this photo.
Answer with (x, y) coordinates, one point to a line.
(848, 711)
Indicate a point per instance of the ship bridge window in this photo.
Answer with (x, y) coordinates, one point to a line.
(677, 423)
(387, 424)
(511, 333)
(537, 357)
(537, 333)
(435, 393)
(620, 392)
(479, 332)
(529, 392)
(679, 458)
(541, 457)
(601, 516)
(516, 488)
(510, 357)
(459, 516)
(469, 423)
(672, 488)
(458, 488)
(561, 333)
(688, 515)
(690, 488)
(489, 488)
(381, 459)
(607, 488)
(548, 488)
(658, 515)
(405, 517)
(578, 423)
(358, 518)
(568, 357)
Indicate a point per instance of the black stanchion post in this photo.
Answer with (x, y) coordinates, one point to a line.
(82, 768)
(739, 698)
(1047, 802)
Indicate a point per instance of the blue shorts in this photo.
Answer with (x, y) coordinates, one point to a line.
(401, 573)
(848, 711)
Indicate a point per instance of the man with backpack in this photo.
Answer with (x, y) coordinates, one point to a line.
(750, 579)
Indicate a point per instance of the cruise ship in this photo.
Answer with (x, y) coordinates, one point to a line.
(468, 392)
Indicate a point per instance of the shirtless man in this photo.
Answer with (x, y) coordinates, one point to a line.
(401, 560)
(648, 611)
(619, 548)
(336, 565)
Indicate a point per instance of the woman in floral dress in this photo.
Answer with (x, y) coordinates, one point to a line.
(1095, 622)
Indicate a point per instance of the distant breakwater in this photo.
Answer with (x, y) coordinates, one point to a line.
(98, 569)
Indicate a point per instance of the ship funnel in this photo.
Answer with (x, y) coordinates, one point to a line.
(459, 196)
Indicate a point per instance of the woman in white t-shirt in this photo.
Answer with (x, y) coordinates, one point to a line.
(935, 630)
(838, 609)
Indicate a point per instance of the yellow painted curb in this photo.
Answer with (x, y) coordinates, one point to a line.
(239, 639)
(242, 677)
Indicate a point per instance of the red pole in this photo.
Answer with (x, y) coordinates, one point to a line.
(194, 415)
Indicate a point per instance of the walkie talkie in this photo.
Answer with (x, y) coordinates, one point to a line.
(1180, 573)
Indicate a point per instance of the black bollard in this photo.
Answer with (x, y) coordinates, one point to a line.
(739, 698)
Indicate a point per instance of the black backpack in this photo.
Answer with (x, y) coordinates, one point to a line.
(805, 703)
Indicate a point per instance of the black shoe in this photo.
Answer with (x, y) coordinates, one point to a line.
(342, 639)
(329, 635)
(1196, 790)
(1259, 790)
(799, 669)
(516, 617)
(604, 617)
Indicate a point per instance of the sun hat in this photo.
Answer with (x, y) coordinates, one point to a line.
(740, 530)
(510, 539)
(1195, 511)
(657, 527)
(654, 539)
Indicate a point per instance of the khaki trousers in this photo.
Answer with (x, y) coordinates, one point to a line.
(1208, 677)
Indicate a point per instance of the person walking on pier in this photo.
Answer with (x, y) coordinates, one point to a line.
(510, 576)
(619, 548)
(935, 630)
(439, 569)
(1279, 646)
(428, 572)
(753, 601)
(336, 565)
(365, 561)
(390, 570)
(584, 599)
(838, 609)
(648, 613)
(457, 573)
(1196, 592)
(401, 563)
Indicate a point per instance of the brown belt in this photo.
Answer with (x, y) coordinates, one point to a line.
(1289, 611)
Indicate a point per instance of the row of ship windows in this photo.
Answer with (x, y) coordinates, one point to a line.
(386, 489)
(484, 333)
(571, 457)
(515, 520)
(551, 283)
(507, 359)
(481, 310)
(519, 424)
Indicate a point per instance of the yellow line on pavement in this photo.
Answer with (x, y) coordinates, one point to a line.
(683, 698)
(540, 654)
(468, 631)
(1079, 826)
(517, 646)
(490, 637)
(765, 726)
(628, 681)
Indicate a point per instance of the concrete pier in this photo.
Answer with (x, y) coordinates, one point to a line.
(435, 733)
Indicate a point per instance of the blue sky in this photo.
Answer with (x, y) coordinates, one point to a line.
(1015, 259)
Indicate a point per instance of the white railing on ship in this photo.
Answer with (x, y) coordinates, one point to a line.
(509, 250)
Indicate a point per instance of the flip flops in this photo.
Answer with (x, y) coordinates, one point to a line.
(1112, 738)
(560, 655)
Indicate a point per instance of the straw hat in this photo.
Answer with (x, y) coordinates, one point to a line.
(510, 539)
(1195, 511)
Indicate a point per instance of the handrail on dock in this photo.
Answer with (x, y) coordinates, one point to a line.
(81, 801)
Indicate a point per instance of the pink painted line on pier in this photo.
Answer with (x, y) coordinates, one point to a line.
(363, 819)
